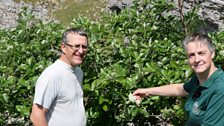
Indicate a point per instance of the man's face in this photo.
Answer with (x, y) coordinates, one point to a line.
(75, 49)
(199, 56)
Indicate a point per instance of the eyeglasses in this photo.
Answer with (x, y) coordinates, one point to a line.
(77, 46)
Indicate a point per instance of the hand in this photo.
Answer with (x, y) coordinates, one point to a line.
(141, 93)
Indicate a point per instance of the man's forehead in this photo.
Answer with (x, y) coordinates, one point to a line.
(196, 46)
(72, 36)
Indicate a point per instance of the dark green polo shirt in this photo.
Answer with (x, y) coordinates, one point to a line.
(205, 106)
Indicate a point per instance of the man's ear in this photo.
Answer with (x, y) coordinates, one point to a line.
(213, 54)
(63, 48)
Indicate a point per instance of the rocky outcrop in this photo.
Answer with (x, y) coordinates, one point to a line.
(117, 5)
(10, 9)
(212, 11)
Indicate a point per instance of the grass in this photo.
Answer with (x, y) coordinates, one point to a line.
(70, 9)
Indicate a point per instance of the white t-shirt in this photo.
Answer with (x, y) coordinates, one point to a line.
(59, 90)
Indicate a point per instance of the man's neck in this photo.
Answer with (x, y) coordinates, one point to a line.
(64, 59)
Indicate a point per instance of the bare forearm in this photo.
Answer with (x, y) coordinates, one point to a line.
(38, 116)
(38, 121)
(167, 90)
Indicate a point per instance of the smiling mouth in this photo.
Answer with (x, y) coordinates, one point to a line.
(197, 65)
(78, 57)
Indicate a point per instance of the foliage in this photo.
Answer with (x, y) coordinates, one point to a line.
(140, 47)
(25, 52)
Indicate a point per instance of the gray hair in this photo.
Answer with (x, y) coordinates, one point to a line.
(74, 31)
(201, 38)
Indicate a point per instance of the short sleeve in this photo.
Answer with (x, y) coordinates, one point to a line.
(191, 85)
(46, 90)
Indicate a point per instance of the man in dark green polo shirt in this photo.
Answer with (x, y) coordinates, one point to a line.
(205, 90)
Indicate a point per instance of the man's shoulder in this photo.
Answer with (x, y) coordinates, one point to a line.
(79, 73)
(219, 83)
(78, 70)
(220, 77)
(51, 70)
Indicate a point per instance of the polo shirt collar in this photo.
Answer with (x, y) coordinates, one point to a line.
(210, 80)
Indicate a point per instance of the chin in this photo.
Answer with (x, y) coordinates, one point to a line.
(199, 71)
(78, 62)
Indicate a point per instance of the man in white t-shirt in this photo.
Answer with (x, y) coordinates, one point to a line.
(58, 99)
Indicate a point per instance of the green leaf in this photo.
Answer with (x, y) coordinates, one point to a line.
(6, 97)
(105, 108)
(101, 100)
(22, 109)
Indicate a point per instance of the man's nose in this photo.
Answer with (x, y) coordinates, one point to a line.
(80, 50)
(197, 58)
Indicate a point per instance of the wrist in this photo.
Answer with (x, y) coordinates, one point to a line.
(147, 92)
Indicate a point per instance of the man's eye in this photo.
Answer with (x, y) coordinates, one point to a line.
(201, 53)
(76, 46)
(190, 55)
(84, 46)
